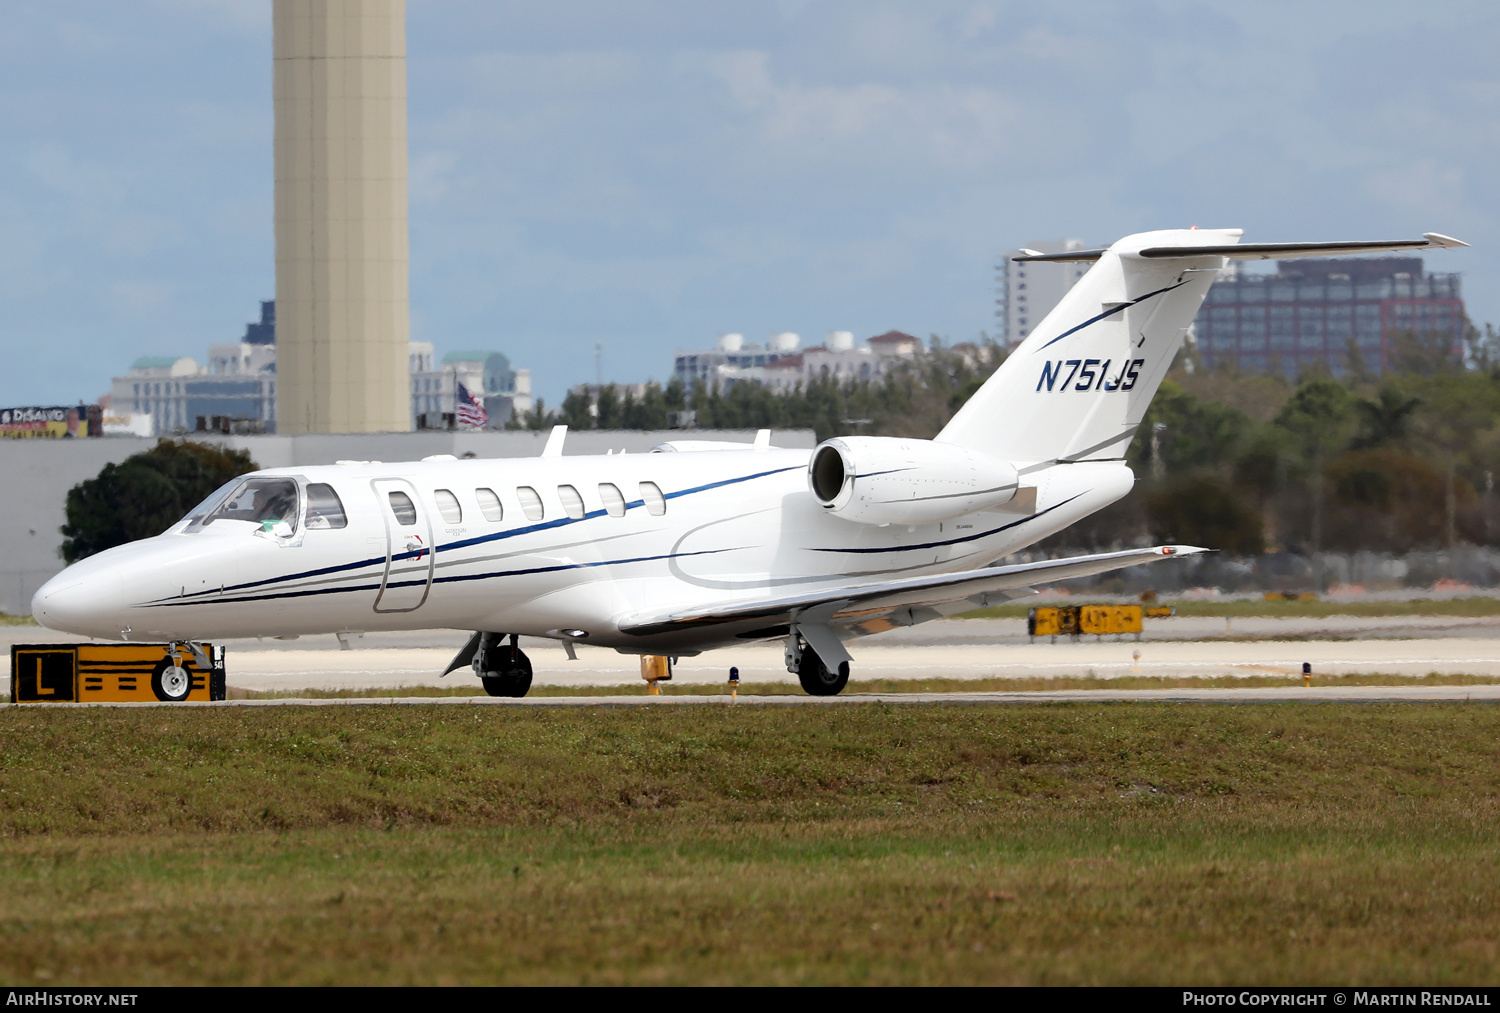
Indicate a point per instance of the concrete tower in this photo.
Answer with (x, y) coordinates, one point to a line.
(341, 244)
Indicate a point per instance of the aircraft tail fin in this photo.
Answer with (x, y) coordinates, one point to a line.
(1077, 387)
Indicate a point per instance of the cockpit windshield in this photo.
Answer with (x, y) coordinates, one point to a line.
(263, 501)
(196, 515)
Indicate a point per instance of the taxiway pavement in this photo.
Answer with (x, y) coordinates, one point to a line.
(949, 649)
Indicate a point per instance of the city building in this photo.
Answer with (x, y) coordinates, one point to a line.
(237, 389)
(1324, 311)
(154, 387)
(1026, 292)
(238, 383)
(836, 359)
(731, 353)
(342, 251)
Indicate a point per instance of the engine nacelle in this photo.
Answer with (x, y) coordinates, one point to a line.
(883, 480)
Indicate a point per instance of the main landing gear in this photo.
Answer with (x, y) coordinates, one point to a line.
(816, 678)
(503, 668)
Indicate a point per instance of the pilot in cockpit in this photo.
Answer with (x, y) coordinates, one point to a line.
(273, 503)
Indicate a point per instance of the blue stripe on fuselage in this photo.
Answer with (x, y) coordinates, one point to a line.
(467, 542)
(451, 579)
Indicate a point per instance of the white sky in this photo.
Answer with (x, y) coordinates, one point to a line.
(650, 174)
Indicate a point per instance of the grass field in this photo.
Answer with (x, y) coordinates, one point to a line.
(470, 687)
(1091, 843)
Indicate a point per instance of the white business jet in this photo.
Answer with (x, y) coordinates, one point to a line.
(699, 545)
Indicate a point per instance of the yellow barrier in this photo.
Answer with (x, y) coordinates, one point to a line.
(113, 673)
(1095, 620)
(1105, 619)
(1053, 621)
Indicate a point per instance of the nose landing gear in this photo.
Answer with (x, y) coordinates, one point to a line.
(171, 682)
(503, 669)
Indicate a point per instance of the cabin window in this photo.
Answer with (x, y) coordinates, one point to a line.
(656, 503)
(531, 503)
(263, 501)
(571, 501)
(489, 505)
(447, 505)
(324, 508)
(404, 509)
(614, 502)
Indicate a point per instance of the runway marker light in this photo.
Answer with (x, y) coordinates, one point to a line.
(1136, 654)
(734, 683)
(1307, 673)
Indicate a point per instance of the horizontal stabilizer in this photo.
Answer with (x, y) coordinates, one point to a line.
(863, 602)
(1071, 257)
(1265, 251)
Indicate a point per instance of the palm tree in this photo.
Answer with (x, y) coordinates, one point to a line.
(1385, 421)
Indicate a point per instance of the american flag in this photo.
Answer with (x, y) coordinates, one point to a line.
(470, 409)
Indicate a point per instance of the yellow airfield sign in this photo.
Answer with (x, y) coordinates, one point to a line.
(114, 673)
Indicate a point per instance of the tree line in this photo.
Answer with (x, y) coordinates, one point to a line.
(914, 398)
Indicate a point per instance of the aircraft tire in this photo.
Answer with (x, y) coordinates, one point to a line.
(171, 682)
(511, 676)
(817, 680)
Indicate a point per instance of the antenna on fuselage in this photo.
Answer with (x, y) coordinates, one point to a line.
(555, 442)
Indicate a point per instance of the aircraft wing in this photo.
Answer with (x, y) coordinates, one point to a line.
(870, 608)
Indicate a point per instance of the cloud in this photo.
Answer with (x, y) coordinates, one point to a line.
(244, 17)
(430, 176)
(139, 297)
(1427, 188)
(936, 123)
(60, 171)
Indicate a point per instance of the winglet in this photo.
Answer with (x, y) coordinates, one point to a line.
(1438, 239)
(555, 442)
(763, 439)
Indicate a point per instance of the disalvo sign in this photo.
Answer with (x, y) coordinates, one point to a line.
(57, 423)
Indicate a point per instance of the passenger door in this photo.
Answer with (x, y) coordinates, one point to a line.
(409, 549)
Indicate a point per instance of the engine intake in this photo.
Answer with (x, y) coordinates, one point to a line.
(882, 480)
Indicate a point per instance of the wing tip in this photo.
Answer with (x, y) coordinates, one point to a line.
(1182, 550)
(1442, 241)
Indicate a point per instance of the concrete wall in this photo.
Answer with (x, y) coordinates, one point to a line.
(37, 475)
(342, 254)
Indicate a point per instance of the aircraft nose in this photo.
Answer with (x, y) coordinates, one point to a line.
(82, 599)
